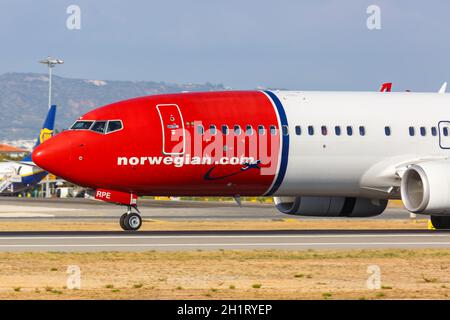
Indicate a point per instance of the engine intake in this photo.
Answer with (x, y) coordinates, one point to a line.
(425, 187)
(330, 206)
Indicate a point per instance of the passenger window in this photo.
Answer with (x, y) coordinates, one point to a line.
(412, 132)
(349, 130)
(212, 129)
(298, 130)
(273, 130)
(423, 131)
(285, 129)
(433, 131)
(311, 130)
(445, 131)
(337, 130)
(99, 126)
(324, 130)
(237, 130)
(114, 126)
(82, 125)
(387, 131)
(261, 130)
(249, 130)
(200, 129)
(225, 129)
(362, 131)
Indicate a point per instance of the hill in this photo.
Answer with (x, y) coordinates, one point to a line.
(23, 99)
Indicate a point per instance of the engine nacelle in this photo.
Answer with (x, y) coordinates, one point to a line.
(330, 206)
(425, 187)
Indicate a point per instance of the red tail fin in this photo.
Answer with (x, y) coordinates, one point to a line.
(386, 87)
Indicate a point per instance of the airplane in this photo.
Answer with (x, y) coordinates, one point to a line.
(326, 154)
(17, 176)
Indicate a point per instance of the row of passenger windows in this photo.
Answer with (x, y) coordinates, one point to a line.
(101, 126)
(237, 130)
(311, 130)
(337, 130)
(423, 131)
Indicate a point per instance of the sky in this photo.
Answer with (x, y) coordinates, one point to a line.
(243, 44)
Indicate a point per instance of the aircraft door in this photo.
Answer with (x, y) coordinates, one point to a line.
(173, 134)
(444, 134)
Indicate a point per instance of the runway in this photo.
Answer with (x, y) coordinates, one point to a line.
(215, 240)
(84, 209)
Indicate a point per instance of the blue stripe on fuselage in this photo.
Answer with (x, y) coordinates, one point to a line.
(285, 145)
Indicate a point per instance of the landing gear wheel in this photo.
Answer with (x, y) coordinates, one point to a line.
(122, 221)
(132, 222)
(440, 222)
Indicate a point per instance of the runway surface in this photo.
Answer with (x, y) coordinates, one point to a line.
(214, 240)
(70, 209)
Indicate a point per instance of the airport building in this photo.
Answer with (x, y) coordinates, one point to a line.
(7, 150)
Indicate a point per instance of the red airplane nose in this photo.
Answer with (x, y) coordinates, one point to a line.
(53, 155)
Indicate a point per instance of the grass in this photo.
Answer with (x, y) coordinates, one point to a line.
(17, 289)
(56, 291)
(429, 280)
(337, 274)
(327, 295)
(279, 224)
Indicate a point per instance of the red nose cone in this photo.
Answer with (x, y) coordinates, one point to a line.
(53, 155)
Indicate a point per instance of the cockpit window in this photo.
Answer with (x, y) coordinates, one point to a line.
(114, 126)
(81, 125)
(99, 126)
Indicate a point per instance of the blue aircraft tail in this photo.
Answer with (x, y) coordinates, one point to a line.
(46, 131)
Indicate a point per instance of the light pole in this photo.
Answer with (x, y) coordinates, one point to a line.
(51, 63)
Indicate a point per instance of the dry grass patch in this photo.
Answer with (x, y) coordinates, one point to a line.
(149, 225)
(262, 274)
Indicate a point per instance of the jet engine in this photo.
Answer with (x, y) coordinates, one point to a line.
(330, 206)
(425, 187)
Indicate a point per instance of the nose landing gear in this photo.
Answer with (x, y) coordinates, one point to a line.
(131, 221)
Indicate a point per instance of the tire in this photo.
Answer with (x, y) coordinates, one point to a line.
(133, 222)
(122, 222)
(440, 223)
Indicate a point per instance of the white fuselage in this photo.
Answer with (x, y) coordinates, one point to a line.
(17, 174)
(368, 165)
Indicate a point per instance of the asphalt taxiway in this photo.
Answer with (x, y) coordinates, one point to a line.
(215, 240)
(71, 209)
(78, 209)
